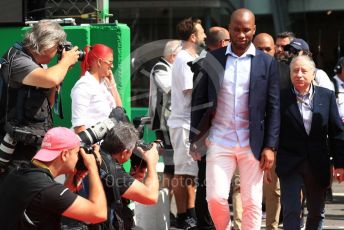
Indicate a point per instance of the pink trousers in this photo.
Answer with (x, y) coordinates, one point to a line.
(221, 164)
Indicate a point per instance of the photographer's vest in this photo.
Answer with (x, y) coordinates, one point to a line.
(28, 182)
(159, 102)
(22, 106)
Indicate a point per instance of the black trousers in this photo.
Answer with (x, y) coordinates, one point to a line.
(204, 221)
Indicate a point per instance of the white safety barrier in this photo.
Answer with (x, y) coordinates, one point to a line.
(154, 217)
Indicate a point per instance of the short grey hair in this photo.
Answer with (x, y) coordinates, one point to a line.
(44, 35)
(172, 47)
(306, 58)
(123, 136)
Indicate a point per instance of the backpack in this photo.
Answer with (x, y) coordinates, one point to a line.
(4, 81)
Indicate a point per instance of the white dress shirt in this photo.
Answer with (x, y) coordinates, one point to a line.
(230, 126)
(305, 104)
(92, 101)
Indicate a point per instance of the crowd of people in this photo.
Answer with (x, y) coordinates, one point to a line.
(243, 118)
(97, 189)
(261, 120)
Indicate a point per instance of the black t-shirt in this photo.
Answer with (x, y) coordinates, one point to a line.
(123, 180)
(34, 190)
(47, 207)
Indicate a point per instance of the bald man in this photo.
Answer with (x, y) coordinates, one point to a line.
(217, 37)
(271, 189)
(241, 121)
(265, 43)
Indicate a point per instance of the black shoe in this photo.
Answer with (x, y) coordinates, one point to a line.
(189, 223)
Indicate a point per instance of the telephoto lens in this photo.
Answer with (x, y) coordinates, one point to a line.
(7, 148)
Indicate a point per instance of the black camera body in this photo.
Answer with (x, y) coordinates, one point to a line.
(80, 166)
(68, 46)
(136, 159)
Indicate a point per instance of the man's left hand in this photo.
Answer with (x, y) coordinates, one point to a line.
(267, 159)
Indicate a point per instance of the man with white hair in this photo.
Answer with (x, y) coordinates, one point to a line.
(160, 107)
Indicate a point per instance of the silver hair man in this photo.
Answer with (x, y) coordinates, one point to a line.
(44, 35)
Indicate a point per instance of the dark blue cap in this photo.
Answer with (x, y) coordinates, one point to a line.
(298, 44)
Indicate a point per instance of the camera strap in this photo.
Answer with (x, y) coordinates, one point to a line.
(58, 109)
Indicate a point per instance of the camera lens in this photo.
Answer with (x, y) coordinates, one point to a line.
(82, 55)
(7, 148)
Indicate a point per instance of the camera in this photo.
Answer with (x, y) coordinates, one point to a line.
(13, 135)
(93, 135)
(136, 159)
(68, 46)
(97, 132)
(80, 166)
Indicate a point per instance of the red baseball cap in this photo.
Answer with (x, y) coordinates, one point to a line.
(54, 141)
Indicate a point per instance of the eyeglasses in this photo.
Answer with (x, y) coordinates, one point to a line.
(110, 63)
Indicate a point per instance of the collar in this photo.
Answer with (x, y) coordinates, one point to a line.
(41, 165)
(308, 95)
(88, 74)
(162, 59)
(251, 51)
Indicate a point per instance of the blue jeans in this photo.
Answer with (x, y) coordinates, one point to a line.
(291, 198)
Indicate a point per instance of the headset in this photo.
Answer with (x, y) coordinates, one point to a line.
(340, 64)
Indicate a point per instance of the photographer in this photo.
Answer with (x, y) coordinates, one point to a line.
(117, 149)
(31, 199)
(29, 90)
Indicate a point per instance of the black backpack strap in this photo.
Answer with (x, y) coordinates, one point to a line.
(6, 80)
(58, 109)
(116, 205)
(335, 84)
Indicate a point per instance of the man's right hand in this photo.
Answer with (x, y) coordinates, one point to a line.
(89, 159)
(70, 57)
(151, 156)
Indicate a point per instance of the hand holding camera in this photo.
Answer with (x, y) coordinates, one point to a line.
(89, 158)
(69, 53)
(151, 156)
